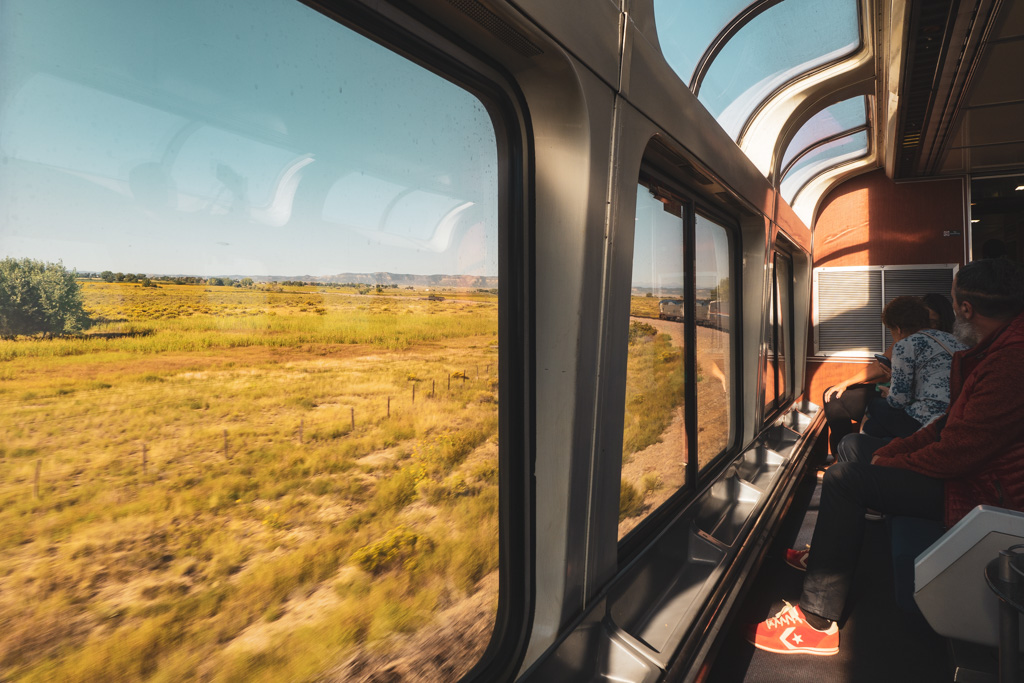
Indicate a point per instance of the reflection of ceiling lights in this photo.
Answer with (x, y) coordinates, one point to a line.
(975, 220)
(1019, 188)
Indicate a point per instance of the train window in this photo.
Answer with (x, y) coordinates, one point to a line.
(778, 332)
(255, 435)
(654, 442)
(821, 157)
(685, 31)
(713, 315)
(829, 123)
(779, 44)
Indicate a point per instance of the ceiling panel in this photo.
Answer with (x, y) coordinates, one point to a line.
(999, 79)
(990, 125)
(1011, 24)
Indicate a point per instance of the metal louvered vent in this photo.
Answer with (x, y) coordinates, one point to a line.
(849, 303)
(916, 282)
(496, 25)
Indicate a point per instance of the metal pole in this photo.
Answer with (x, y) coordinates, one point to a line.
(1009, 625)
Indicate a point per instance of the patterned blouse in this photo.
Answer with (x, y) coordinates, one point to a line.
(920, 374)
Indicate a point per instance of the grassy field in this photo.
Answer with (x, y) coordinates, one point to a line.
(227, 484)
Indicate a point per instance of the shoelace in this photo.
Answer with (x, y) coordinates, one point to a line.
(786, 617)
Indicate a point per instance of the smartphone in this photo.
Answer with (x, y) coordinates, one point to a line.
(880, 357)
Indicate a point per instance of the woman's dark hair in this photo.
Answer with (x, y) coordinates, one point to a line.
(994, 287)
(940, 305)
(908, 313)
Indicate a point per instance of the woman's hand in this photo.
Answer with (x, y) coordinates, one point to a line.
(884, 391)
(836, 391)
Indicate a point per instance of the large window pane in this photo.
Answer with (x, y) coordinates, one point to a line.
(828, 122)
(822, 158)
(714, 308)
(267, 448)
(686, 29)
(778, 45)
(654, 447)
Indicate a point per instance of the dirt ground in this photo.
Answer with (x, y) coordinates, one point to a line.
(668, 455)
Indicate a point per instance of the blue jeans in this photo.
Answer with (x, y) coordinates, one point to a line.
(885, 421)
(850, 487)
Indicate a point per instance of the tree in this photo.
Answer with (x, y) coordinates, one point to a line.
(107, 276)
(39, 297)
(246, 282)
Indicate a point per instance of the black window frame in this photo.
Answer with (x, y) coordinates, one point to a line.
(667, 185)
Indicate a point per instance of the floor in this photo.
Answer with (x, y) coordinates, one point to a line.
(878, 642)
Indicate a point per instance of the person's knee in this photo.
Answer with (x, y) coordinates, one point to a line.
(847, 449)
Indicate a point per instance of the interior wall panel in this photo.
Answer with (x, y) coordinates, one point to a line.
(871, 220)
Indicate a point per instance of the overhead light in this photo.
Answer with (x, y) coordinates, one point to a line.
(975, 220)
(1019, 188)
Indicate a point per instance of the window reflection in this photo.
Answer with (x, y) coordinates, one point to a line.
(714, 307)
(274, 447)
(654, 450)
(778, 332)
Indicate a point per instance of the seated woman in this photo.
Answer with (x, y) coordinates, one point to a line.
(921, 359)
(846, 402)
(940, 312)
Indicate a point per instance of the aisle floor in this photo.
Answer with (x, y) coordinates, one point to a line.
(878, 642)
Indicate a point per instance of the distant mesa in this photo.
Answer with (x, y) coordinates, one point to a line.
(400, 279)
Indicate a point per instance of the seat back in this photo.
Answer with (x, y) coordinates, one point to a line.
(949, 577)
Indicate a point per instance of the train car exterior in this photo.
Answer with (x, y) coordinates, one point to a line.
(580, 230)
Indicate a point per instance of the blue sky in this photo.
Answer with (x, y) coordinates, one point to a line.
(225, 137)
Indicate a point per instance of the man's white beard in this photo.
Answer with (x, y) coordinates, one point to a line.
(964, 331)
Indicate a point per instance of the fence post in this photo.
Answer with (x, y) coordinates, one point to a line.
(389, 406)
(35, 489)
(414, 392)
(449, 382)
(144, 458)
(301, 424)
(226, 456)
(353, 416)
(432, 388)
(464, 374)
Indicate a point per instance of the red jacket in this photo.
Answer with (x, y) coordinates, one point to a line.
(979, 451)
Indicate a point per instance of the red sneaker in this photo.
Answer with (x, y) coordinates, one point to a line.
(797, 559)
(789, 633)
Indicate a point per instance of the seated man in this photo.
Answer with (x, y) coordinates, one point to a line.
(972, 455)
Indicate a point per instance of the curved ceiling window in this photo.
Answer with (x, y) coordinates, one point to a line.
(831, 122)
(771, 49)
(817, 159)
(685, 34)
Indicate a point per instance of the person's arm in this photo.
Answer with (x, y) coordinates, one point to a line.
(990, 424)
(874, 372)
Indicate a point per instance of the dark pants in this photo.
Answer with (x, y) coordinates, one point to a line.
(886, 421)
(850, 487)
(844, 413)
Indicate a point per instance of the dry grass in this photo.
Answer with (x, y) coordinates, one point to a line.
(255, 492)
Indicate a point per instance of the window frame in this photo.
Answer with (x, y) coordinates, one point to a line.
(771, 409)
(667, 185)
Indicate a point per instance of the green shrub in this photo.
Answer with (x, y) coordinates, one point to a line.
(631, 501)
(638, 330)
(397, 548)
